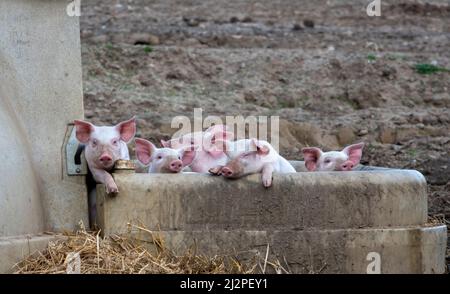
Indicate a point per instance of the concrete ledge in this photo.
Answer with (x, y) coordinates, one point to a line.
(330, 200)
(324, 222)
(15, 249)
(401, 250)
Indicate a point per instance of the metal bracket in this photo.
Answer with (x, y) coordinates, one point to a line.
(75, 161)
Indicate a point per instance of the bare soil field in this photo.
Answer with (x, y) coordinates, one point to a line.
(332, 74)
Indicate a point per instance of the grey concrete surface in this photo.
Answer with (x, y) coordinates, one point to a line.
(15, 249)
(40, 93)
(332, 200)
(400, 250)
(327, 222)
(21, 208)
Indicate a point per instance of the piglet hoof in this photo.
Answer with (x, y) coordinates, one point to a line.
(112, 189)
(216, 171)
(267, 183)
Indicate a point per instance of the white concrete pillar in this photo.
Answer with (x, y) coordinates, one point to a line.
(40, 92)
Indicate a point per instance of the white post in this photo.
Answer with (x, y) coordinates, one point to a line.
(40, 92)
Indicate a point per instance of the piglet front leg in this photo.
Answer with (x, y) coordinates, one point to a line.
(217, 171)
(104, 177)
(266, 175)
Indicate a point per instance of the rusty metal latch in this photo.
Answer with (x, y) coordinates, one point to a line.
(124, 166)
(75, 161)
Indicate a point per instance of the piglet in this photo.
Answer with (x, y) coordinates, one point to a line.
(251, 156)
(208, 155)
(163, 160)
(345, 160)
(104, 146)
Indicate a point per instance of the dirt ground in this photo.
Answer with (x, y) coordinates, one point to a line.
(332, 74)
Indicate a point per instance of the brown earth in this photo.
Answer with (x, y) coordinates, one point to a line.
(332, 74)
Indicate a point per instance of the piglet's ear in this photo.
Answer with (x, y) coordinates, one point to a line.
(165, 144)
(83, 130)
(260, 147)
(225, 135)
(214, 135)
(144, 151)
(188, 156)
(217, 128)
(221, 146)
(311, 156)
(354, 153)
(219, 132)
(215, 147)
(127, 129)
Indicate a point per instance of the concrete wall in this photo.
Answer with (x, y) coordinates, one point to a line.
(407, 250)
(14, 249)
(40, 93)
(315, 222)
(297, 201)
(21, 210)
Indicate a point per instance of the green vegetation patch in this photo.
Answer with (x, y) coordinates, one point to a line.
(428, 69)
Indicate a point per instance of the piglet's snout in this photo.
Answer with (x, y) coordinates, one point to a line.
(105, 158)
(347, 166)
(227, 172)
(176, 166)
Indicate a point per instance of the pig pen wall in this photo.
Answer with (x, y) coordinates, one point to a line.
(329, 222)
(40, 93)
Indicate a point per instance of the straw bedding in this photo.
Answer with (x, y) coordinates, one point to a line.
(123, 255)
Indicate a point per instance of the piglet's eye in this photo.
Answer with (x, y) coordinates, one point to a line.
(327, 160)
(159, 157)
(94, 142)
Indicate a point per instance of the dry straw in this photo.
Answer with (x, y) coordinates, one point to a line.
(125, 255)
